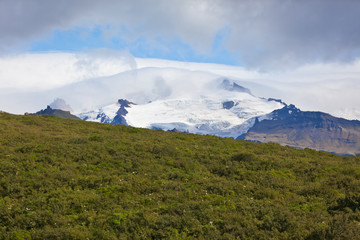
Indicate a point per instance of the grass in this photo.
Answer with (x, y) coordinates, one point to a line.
(71, 179)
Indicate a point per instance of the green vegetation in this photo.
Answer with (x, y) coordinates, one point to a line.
(70, 179)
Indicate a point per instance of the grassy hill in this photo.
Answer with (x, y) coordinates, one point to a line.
(71, 179)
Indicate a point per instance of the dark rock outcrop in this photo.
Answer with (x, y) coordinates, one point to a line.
(103, 118)
(121, 113)
(55, 112)
(228, 104)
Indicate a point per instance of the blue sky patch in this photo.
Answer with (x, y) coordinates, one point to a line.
(84, 39)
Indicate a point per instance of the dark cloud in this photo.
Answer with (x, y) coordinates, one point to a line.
(296, 32)
(25, 20)
(263, 33)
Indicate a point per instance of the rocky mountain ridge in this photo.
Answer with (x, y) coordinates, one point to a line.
(55, 112)
(302, 129)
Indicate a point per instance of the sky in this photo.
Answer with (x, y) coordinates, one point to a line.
(306, 52)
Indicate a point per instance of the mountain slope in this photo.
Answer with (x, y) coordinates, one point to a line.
(69, 179)
(317, 130)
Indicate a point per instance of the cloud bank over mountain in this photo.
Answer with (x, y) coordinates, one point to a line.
(94, 79)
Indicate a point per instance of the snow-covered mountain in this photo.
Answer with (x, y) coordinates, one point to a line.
(197, 102)
(202, 98)
(224, 108)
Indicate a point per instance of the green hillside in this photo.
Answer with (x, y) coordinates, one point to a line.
(71, 179)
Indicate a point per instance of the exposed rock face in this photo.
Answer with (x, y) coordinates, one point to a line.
(228, 104)
(174, 130)
(55, 112)
(103, 118)
(321, 131)
(121, 113)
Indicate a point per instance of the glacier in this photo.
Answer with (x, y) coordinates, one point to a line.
(223, 108)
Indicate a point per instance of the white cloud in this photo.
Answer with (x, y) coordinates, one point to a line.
(59, 103)
(34, 72)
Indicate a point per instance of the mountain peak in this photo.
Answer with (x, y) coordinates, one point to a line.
(228, 85)
(285, 112)
(125, 103)
(60, 104)
(55, 112)
(121, 113)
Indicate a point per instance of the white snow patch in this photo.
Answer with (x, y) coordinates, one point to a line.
(203, 114)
